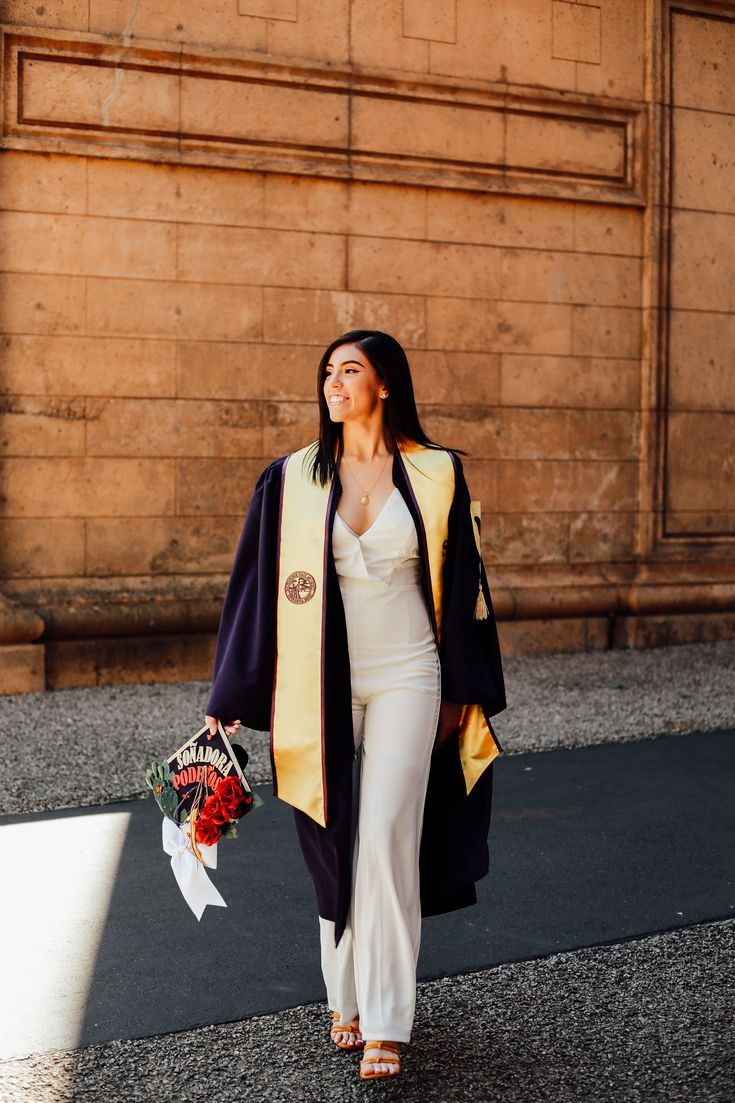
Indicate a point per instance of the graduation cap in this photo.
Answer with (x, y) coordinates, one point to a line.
(200, 765)
(203, 792)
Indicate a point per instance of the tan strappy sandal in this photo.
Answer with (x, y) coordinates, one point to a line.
(366, 1062)
(346, 1028)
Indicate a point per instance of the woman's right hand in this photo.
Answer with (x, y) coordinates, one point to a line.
(230, 729)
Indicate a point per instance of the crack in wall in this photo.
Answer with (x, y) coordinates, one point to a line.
(127, 36)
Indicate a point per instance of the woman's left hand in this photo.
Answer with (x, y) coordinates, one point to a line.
(450, 715)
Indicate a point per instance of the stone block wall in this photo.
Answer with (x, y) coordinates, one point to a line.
(534, 197)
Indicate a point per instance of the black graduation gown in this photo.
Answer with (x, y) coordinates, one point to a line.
(454, 850)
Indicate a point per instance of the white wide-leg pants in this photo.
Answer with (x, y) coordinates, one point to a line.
(396, 696)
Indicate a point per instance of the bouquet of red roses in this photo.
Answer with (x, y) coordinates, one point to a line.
(221, 811)
(203, 793)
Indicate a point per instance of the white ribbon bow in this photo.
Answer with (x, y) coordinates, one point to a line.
(190, 874)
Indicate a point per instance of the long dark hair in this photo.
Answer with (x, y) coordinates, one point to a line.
(400, 416)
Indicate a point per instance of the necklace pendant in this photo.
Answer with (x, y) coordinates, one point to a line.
(364, 499)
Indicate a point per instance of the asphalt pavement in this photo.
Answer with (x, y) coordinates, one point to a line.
(588, 846)
(599, 963)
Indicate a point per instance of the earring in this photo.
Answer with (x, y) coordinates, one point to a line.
(384, 396)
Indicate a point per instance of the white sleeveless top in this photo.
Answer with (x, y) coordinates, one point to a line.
(389, 633)
(386, 554)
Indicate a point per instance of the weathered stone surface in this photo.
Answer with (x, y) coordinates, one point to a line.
(22, 668)
(196, 198)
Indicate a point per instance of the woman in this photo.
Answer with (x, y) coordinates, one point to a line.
(358, 629)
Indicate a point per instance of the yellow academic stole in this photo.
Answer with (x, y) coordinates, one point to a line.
(298, 721)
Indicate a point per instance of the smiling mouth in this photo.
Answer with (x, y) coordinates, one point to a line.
(337, 400)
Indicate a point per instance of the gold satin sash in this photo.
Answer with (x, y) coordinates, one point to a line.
(298, 723)
(297, 719)
(477, 743)
(431, 477)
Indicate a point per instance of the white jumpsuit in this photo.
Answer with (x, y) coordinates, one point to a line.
(396, 695)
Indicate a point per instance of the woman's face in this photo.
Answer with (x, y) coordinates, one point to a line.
(352, 387)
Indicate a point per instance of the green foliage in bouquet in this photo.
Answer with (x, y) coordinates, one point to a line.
(158, 779)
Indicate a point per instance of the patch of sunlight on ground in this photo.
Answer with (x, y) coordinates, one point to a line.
(57, 877)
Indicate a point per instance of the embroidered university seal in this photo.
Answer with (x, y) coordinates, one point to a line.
(300, 587)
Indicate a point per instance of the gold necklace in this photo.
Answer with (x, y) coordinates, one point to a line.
(366, 493)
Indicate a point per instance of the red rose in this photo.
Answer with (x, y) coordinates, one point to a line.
(213, 810)
(207, 832)
(232, 797)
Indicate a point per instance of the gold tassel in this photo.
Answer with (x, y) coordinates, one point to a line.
(193, 816)
(481, 610)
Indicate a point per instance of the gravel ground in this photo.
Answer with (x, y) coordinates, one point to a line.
(101, 739)
(650, 1020)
